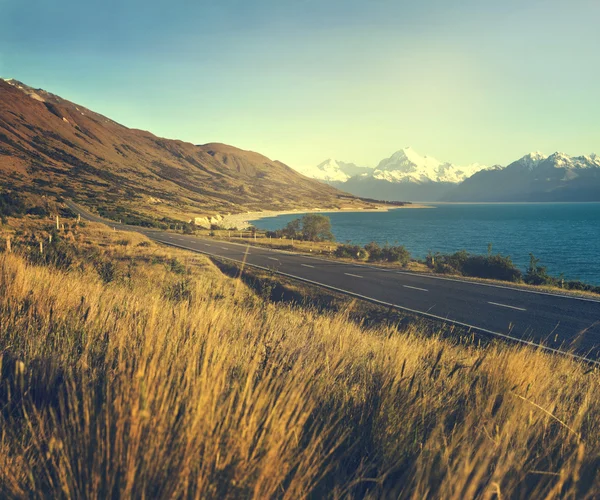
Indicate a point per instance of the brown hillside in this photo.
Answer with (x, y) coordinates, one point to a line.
(54, 147)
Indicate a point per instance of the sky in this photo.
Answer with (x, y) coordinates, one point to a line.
(305, 80)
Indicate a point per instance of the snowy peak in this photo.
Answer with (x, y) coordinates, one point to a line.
(534, 161)
(334, 171)
(406, 165)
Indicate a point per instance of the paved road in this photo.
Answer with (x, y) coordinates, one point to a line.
(558, 322)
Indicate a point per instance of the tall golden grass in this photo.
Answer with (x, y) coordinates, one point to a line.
(167, 383)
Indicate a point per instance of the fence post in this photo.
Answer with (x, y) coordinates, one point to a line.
(57, 224)
(8, 244)
(41, 247)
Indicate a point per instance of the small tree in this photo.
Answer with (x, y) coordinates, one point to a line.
(316, 227)
(292, 229)
(536, 274)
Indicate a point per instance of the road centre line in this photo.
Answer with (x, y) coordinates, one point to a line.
(415, 288)
(507, 306)
(353, 275)
(272, 258)
(307, 265)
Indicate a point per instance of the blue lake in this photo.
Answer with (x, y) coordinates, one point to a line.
(564, 236)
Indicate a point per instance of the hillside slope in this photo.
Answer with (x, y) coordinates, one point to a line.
(51, 146)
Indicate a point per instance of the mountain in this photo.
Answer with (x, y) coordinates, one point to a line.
(405, 175)
(535, 177)
(52, 147)
(407, 165)
(334, 171)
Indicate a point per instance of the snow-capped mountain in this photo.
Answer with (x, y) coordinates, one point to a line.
(333, 171)
(404, 176)
(535, 177)
(407, 165)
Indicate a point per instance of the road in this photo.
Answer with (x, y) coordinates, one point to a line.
(558, 322)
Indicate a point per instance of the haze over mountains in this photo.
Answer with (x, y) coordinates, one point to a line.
(50, 146)
(408, 176)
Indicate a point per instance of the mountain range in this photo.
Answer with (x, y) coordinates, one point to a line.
(406, 175)
(52, 147)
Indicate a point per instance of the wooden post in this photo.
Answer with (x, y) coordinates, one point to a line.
(49, 238)
(78, 218)
(57, 224)
(292, 241)
(41, 247)
(8, 244)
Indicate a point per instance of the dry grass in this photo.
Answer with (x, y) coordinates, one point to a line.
(171, 380)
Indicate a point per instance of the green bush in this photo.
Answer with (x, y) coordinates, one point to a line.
(350, 252)
(478, 266)
(536, 274)
(387, 253)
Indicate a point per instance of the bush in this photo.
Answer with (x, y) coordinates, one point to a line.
(57, 253)
(492, 267)
(11, 204)
(478, 266)
(388, 253)
(350, 252)
(536, 274)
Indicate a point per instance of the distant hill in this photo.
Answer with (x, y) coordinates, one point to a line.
(50, 146)
(534, 177)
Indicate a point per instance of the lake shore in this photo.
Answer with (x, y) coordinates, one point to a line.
(244, 220)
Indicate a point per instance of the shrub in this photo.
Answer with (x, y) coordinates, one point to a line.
(491, 266)
(478, 266)
(176, 267)
(536, 274)
(107, 271)
(350, 252)
(387, 254)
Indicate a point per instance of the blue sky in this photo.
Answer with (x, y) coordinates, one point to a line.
(300, 81)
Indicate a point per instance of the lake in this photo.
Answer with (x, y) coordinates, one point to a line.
(564, 236)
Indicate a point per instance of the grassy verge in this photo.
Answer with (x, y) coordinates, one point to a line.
(167, 378)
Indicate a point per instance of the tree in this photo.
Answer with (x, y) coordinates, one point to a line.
(316, 227)
(292, 229)
(536, 274)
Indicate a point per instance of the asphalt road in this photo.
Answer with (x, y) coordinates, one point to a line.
(562, 323)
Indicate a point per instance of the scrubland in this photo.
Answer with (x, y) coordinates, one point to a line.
(134, 370)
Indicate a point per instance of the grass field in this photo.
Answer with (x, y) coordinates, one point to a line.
(134, 370)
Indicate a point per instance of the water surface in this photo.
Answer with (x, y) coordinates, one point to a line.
(564, 236)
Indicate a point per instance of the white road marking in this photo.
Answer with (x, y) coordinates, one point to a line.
(353, 275)
(415, 288)
(306, 265)
(225, 248)
(272, 258)
(206, 244)
(509, 307)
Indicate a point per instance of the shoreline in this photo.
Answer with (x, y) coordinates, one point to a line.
(244, 220)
